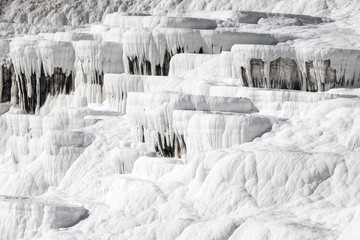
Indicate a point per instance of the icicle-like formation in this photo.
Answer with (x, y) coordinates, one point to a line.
(57, 54)
(118, 19)
(93, 60)
(212, 130)
(148, 51)
(41, 68)
(184, 62)
(117, 86)
(24, 218)
(152, 113)
(25, 55)
(308, 69)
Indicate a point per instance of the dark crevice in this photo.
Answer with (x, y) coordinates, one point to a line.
(330, 76)
(144, 66)
(57, 83)
(311, 80)
(7, 76)
(257, 73)
(245, 81)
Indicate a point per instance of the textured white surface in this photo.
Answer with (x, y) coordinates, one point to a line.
(259, 163)
(24, 218)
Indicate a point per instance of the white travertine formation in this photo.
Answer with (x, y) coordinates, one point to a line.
(25, 218)
(153, 114)
(208, 130)
(50, 144)
(234, 144)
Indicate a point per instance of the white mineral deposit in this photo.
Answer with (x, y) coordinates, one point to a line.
(179, 119)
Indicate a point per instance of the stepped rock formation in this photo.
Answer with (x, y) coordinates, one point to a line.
(170, 119)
